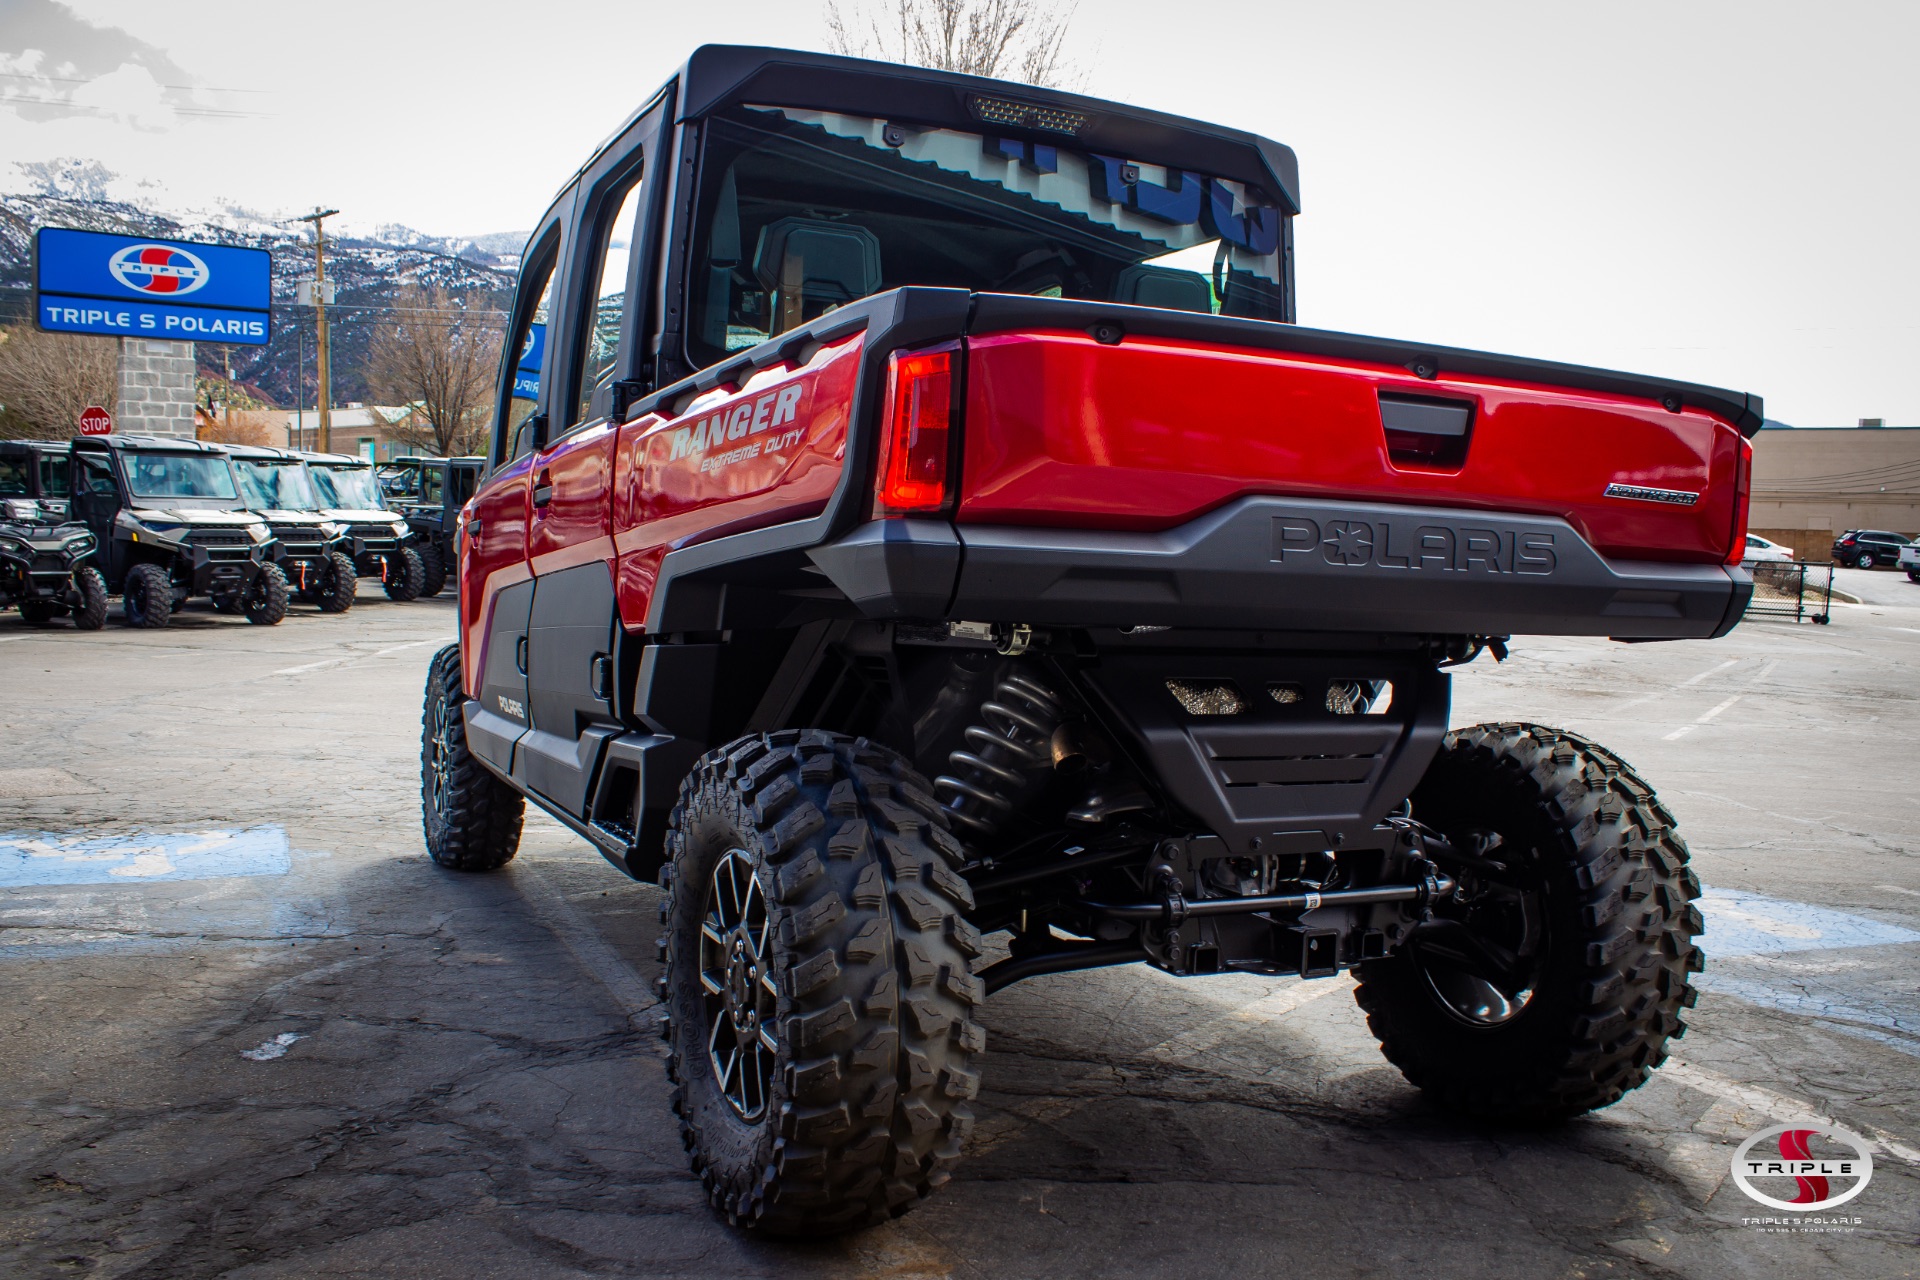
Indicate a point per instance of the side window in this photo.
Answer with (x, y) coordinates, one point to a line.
(430, 487)
(598, 338)
(527, 348)
(53, 475)
(97, 475)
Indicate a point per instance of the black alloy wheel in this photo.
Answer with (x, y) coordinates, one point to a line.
(1482, 952)
(1553, 980)
(736, 977)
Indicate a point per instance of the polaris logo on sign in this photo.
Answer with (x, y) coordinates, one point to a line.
(158, 269)
(136, 287)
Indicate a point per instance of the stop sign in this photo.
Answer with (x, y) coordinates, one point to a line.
(95, 421)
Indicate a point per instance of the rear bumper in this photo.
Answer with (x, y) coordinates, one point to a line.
(1287, 565)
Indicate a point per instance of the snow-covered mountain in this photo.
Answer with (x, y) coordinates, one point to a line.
(368, 265)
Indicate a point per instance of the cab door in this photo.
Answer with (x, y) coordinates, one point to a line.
(573, 630)
(496, 582)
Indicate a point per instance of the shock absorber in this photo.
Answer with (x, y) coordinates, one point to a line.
(1017, 733)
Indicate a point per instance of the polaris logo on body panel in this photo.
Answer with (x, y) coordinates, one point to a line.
(1432, 547)
(511, 707)
(735, 422)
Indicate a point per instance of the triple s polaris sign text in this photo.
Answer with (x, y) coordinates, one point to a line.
(90, 282)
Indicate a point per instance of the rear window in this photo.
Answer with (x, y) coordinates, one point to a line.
(178, 475)
(804, 211)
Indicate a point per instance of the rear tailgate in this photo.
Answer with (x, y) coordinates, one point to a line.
(1066, 430)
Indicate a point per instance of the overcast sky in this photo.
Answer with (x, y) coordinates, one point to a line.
(1722, 191)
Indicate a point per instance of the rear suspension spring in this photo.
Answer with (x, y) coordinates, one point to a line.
(1020, 720)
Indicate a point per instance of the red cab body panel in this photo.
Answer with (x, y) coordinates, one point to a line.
(491, 560)
(573, 526)
(736, 458)
(1065, 431)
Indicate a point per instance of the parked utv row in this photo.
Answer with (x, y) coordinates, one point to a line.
(163, 521)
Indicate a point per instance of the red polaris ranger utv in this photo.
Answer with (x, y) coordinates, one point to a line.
(914, 516)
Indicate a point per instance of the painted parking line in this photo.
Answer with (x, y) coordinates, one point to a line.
(356, 657)
(50, 858)
(1747, 924)
(1703, 718)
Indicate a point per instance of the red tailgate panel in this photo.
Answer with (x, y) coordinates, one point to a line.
(1062, 430)
(738, 458)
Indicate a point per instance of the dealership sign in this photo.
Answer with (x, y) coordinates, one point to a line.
(130, 286)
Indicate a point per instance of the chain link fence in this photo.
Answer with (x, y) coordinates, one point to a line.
(1794, 591)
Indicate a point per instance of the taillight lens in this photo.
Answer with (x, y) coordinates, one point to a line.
(923, 419)
(1742, 500)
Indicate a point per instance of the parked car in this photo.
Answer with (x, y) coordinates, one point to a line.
(1910, 561)
(1868, 548)
(47, 568)
(170, 524)
(429, 492)
(898, 551)
(311, 550)
(1760, 550)
(35, 470)
(379, 541)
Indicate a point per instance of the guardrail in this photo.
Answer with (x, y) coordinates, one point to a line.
(1792, 591)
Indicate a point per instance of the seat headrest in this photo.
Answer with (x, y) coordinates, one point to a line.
(1144, 286)
(837, 262)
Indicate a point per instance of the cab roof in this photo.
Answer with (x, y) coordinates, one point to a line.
(330, 459)
(163, 444)
(717, 75)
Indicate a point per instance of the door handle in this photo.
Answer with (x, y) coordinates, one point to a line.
(542, 490)
(520, 654)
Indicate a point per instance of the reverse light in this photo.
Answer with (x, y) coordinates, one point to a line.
(1742, 500)
(923, 420)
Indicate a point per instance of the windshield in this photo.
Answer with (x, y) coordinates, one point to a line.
(347, 488)
(275, 486)
(804, 211)
(178, 475)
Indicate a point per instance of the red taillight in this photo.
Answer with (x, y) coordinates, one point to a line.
(916, 440)
(1742, 499)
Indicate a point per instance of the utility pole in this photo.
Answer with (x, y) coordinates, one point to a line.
(325, 394)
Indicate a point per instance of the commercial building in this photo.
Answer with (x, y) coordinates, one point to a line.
(1811, 483)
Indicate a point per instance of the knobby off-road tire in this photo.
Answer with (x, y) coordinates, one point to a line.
(146, 598)
(89, 608)
(266, 601)
(472, 819)
(433, 571)
(403, 575)
(334, 593)
(1615, 944)
(867, 996)
(36, 613)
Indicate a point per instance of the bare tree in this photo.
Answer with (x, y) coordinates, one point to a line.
(1002, 39)
(438, 355)
(46, 379)
(245, 426)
